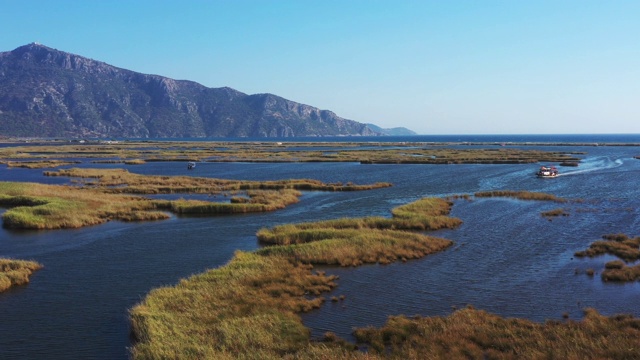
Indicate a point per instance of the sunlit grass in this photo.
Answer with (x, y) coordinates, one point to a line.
(39, 164)
(123, 181)
(248, 308)
(16, 272)
(40, 206)
(476, 334)
(375, 153)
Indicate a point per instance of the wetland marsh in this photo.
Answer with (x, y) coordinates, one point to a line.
(502, 255)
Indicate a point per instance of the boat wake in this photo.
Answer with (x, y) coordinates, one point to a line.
(595, 164)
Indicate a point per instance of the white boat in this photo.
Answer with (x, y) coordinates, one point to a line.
(547, 172)
(191, 165)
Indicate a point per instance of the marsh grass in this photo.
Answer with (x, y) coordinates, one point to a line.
(248, 308)
(122, 181)
(106, 195)
(40, 206)
(521, 195)
(621, 246)
(388, 153)
(475, 334)
(40, 164)
(16, 272)
(354, 241)
(554, 213)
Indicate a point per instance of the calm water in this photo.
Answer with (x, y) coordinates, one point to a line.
(507, 259)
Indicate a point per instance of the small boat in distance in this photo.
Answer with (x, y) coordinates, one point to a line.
(191, 165)
(547, 172)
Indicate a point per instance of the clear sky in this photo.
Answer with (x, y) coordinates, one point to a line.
(435, 67)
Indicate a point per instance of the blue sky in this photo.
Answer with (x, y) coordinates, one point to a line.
(436, 67)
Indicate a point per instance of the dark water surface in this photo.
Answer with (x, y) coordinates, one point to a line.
(507, 258)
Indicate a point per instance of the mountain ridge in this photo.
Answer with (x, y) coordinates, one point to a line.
(46, 92)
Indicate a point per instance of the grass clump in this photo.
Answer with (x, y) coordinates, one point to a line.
(353, 241)
(621, 246)
(40, 207)
(16, 272)
(522, 195)
(39, 164)
(554, 213)
(475, 334)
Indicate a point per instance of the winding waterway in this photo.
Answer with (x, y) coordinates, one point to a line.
(507, 258)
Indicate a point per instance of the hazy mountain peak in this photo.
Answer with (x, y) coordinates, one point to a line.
(51, 93)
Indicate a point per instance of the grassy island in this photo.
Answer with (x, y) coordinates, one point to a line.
(248, 308)
(365, 153)
(39, 164)
(521, 195)
(16, 272)
(621, 246)
(475, 334)
(114, 195)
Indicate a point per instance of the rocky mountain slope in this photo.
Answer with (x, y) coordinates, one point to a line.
(49, 93)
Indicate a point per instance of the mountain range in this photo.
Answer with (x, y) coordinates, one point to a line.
(45, 92)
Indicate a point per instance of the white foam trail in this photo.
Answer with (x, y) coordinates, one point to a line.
(595, 165)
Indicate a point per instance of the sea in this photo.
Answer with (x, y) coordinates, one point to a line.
(506, 259)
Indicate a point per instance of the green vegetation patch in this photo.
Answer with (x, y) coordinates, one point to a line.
(40, 206)
(108, 197)
(16, 272)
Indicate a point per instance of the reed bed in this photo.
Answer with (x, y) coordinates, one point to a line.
(108, 196)
(408, 153)
(40, 164)
(245, 309)
(16, 272)
(554, 213)
(40, 206)
(357, 247)
(521, 195)
(421, 215)
(621, 246)
(248, 308)
(122, 181)
(475, 334)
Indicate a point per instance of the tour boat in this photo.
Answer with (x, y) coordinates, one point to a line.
(547, 172)
(191, 165)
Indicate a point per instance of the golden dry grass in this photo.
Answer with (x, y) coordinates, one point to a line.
(107, 197)
(621, 246)
(389, 153)
(247, 309)
(521, 195)
(40, 164)
(123, 181)
(16, 272)
(476, 334)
